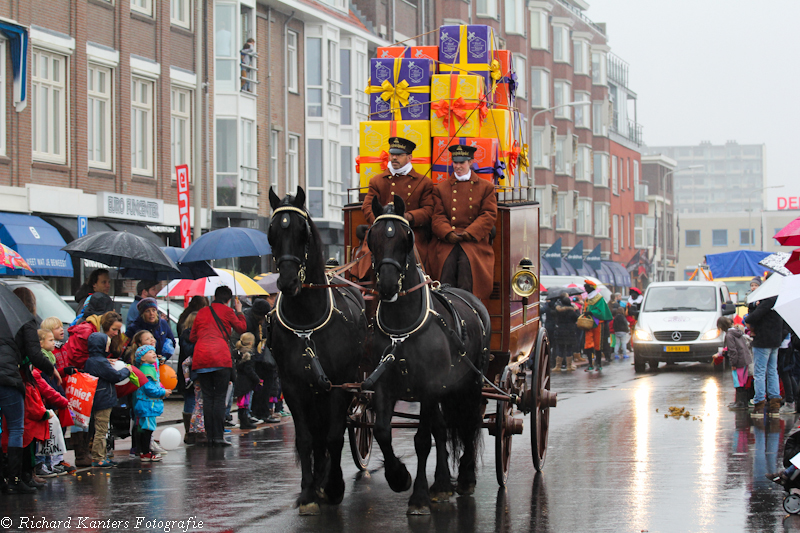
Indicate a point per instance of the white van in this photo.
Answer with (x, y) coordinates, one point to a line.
(678, 322)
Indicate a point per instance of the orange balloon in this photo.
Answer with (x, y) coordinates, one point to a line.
(168, 377)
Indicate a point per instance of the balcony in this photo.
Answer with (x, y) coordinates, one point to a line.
(617, 70)
(248, 72)
(640, 191)
(627, 128)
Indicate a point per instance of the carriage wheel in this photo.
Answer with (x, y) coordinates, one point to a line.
(504, 419)
(359, 432)
(542, 400)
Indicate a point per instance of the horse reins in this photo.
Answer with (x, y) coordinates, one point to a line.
(284, 222)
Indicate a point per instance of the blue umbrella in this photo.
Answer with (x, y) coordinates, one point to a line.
(190, 270)
(226, 243)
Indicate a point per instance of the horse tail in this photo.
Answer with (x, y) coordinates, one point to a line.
(462, 414)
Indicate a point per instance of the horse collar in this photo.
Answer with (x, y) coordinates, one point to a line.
(306, 330)
(427, 309)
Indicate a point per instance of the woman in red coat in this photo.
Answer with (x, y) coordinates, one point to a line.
(212, 358)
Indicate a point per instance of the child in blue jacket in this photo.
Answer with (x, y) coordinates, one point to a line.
(149, 402)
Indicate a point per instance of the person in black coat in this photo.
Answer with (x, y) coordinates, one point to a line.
(262, 407)
(767, 328)
(565, 331)
(246, 378)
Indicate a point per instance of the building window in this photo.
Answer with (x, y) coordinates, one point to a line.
(747, 237)
(615, 233)
(181, 142)
(99, 132)
(583, 166)
(48, 106)
(601, 169)
(293, 179)
(543, 195)
(540, 88)
(628, 175)
(227, 175)
(584, 218)
(142, 127)
(249, 166)
(625, 231)
(273, 160)
(314, 178)
(601, 221)
(539, 30)
(291, 61)
(225, 48)
(334, 85)
(515, 18)
(248, 66)
(614, 177)
(520, 69)
(541, 147)
(487, 8)
(561, 44)
(581, 53)
(560, 155)
(638, 231)
(561, 211)
(582, 112)
(335, 186)
(599, 69)
(314, 76)
(346, 88)
(562, 94)
(180, 13)
(142, 6)
(599, 127)
(347, 169)
(719, 237)
(692, 237)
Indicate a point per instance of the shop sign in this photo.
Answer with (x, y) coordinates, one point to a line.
(127, 207)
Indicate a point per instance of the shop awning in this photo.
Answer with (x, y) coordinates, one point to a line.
(622, 278)
(545, 269)
(566, 269)
(38, 243)
(17, 36)
(587, 270)
(605, 275)
(68, 227)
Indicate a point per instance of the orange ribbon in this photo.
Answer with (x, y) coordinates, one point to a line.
(383, 159)
(513, 156)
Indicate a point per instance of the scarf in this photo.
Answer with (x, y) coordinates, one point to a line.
(463, 178)
(402, 171)
(49, 355)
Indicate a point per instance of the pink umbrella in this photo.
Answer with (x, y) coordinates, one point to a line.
(11, 259)
(793, 264)
(790, 234)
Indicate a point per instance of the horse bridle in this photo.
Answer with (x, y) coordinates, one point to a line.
(285, 221)
(390, 232)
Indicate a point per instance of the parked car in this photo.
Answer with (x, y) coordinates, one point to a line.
(678, 323)
(561, 281)
(48, 302)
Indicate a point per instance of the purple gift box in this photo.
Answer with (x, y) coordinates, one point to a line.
(416, 72)
(465, 45)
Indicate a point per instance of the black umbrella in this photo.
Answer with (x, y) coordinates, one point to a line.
(556, 292)
(191, 270)
(120, 249)
(13, 313)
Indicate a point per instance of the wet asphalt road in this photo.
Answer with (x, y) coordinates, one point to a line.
(614, 463)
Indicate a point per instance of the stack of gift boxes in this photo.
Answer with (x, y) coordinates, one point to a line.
(460, 92)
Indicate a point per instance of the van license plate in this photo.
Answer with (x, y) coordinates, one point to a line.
(676, 348)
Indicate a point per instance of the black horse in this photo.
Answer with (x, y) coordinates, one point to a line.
(316, 336)
(429, 346)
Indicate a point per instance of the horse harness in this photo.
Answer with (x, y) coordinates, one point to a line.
(285, 222)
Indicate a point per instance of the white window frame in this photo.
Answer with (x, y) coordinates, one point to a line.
(293, 155)
(584, 215)
(540, 38)
(230, 172)
(599, 126)
(274, 140)
(639, 231)
(178, 8)
(291, 61)
(334, 185)
(54, 149)
(562, 94)
(601, 219)
(314, 89)
(600, 169)
(143, 113)
(614, 176)
(100, 99)
(486, 8)
(581, 58)
(521, 68)
(562, 44)
(615, 233)
(226, 65)
(599, 68)
(515, 17)
(561, 156)
(145, 7)
(583, 167)
(583, 113)
(561, 212)
(544, 195)
(248, 164)
(541, 146)
(542, 78)
(181, 120)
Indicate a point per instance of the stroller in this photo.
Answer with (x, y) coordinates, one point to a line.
(790, 482)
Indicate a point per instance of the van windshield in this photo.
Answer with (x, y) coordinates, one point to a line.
(680, 298)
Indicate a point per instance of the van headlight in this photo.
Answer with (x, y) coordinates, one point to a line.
(642, 334)
(711, 334)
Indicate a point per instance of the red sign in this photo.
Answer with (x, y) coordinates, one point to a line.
(792, 202)
(182, 172)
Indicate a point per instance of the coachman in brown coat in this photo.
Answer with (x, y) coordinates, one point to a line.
(415, 189)
(464, 213)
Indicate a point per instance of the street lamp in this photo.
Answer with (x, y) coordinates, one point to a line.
(664, 218)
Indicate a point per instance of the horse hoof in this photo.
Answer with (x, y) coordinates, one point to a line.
(417, 510)
(309, 509)
(466, 489)
(441, 496)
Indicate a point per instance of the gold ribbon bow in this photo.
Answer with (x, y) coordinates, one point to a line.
(496, 74)
(523, 159)
(397, 95)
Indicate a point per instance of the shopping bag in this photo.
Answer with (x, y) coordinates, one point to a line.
(80, 394)
(55, 444)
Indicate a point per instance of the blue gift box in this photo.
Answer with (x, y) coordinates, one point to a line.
(400, 88)
(465, 47)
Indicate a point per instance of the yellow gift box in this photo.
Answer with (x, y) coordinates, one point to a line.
(458, 105)
(374, 137)
(499, 125)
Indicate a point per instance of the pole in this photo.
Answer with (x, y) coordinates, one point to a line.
(198, 130)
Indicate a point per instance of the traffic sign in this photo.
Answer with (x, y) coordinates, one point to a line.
(83, 226)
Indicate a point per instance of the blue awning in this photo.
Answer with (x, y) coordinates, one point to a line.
(605, 275)
(587, 270)
(17, 36)
(566, 269)
(621, 274)
(545, 269)
(38, 243)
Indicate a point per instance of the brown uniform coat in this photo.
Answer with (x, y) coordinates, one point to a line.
(416, 191)
(465, 206)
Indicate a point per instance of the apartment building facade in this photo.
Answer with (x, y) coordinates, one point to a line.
(661, 220)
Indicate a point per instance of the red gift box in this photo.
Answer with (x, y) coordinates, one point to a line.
(501, 96)
(413, 52)
(485, 157)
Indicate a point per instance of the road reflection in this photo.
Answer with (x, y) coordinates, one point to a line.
(641, 444)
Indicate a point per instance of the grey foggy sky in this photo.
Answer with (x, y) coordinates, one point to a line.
(714, 70)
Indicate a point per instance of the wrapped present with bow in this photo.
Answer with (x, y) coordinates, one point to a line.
(459, 106)
(466, 47)
(499, 124)
(374, 137)
(503, 82)
(410, 52)
(486, 163)
(400, 89)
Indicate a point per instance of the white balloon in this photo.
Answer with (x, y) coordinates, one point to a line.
(170, 439)
(119, 365)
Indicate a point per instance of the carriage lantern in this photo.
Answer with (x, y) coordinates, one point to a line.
(524, 283)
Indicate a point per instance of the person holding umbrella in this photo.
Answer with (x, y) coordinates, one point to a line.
(148, 319)
(19, 347)
(144, 289)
